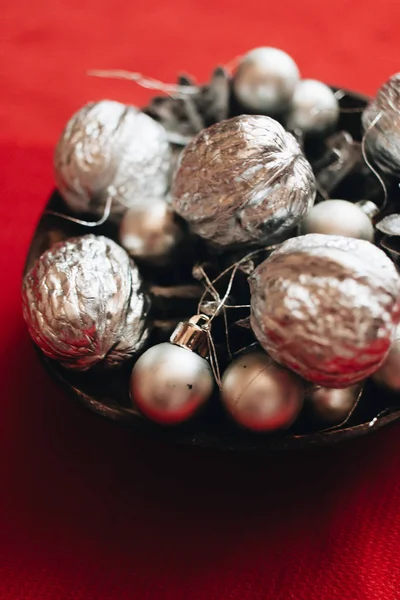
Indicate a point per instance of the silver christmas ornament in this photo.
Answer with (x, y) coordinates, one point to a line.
(338, 217)
(172, 380)
(314, 108)
(243, 181)
(150, 231)
(326, 307)
(83, 304)
(381, 121)
(388, 375)
(259, 394)
(265, 80)
(333, 406)
(110, 149)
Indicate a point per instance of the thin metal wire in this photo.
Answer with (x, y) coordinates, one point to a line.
(102, 220)
(368, 163)
(145, 82)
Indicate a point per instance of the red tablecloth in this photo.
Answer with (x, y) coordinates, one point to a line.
(88, 511)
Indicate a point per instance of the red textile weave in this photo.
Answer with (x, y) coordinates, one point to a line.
(87, 510)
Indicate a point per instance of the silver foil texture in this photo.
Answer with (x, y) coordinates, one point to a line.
(243, 181)
(381, 122)
(326, 307)
(108, 148)
(83, 304)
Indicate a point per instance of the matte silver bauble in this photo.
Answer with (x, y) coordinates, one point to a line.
(83, 303)
(333, 406)
(314, 108)
(326, 307)
(259, 394)
(110, 149)
(150, 231)
(265, 80)
(169, 383)
(338, 217)
(243, 181)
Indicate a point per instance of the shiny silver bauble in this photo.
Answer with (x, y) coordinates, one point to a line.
(259, 394)
(243, 181)
(169, 383)
(265, 80)
(83, 303)
(338, 217)
(326, 307)
(314, 108)
(110, 149)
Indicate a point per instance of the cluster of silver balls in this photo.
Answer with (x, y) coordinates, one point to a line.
(324, 305)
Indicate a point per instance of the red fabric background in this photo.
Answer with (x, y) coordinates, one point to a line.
(88, 511)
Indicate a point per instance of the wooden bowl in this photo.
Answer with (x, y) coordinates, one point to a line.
(108, 395)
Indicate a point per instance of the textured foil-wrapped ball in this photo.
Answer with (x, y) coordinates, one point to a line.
(108, 148)
(243, 181)
(83, 304)
(381, 121)
(326, 307)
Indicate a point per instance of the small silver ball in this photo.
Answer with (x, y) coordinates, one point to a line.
(333, 405)
(169, 383)
(265, 80)
(109, 148)
(338, 217)
(150, 231)
(388, 375)
(314, 108)
(259, 394)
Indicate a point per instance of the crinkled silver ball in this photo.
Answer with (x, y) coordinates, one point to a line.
(381, 121)
(108, 148)
(388, 375)
(265, 80)
(83, 304)
(243, 181)
(326, 307)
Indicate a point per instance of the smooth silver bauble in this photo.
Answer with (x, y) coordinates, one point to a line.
(243, 181)
(259, 394)
(108, 148)
(150, 231)
(338, 217)
(265, 80)
(83, 304)
(169, 383)
(333, 406)
(388, 375)
(326, 307)
(314, 108)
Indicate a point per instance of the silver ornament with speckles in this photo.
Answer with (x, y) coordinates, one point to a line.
(108, 148)
(83, 304)
(243, 181)
(326, 307)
